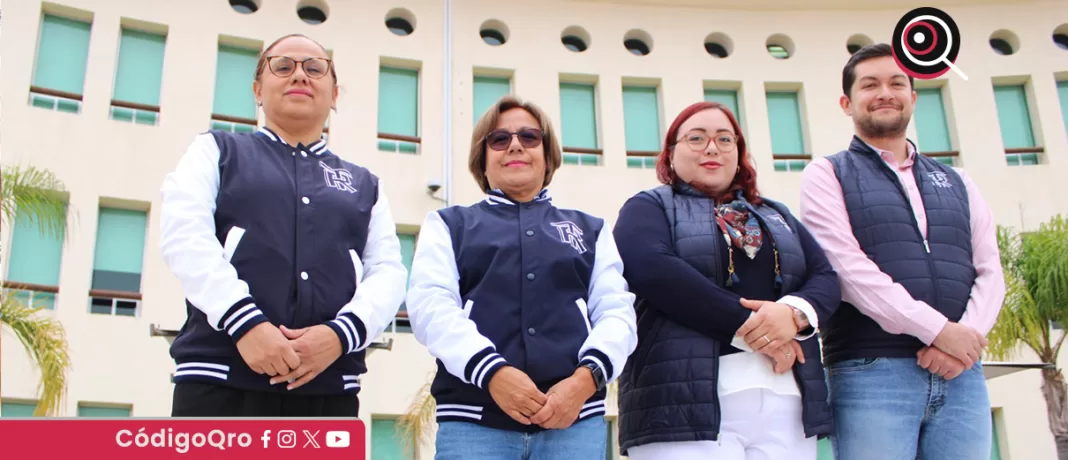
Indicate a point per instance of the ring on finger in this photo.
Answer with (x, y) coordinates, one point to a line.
(767, 340)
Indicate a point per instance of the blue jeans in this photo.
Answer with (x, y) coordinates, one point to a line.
(463, 440)
(893, 409)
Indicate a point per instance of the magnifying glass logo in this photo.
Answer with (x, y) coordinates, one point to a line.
(926, 43)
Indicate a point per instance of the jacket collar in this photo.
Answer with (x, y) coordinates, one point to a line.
(317, 148)
(857, 145)
(496, 196)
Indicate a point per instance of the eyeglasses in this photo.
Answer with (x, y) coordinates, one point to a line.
(283, 66)
(699, 141)
(501, 139)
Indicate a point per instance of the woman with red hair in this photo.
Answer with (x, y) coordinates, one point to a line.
(731, 289)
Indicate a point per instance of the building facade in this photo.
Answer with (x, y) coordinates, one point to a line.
(108, 95)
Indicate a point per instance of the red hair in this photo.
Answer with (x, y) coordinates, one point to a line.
(744, 179)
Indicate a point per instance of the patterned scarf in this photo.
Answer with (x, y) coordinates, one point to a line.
(739, 226)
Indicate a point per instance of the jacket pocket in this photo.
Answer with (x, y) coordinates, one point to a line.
(585, 312)
(467, 308)
(357, 265)
(233, 239)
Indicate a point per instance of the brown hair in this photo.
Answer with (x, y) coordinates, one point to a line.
(744, 180)
(477, 161)
(261, 64)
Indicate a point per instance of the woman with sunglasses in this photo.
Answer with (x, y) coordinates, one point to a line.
(270, 233)
(731, 290)
(523, 304)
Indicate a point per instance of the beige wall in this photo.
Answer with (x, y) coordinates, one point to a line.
(104, 160)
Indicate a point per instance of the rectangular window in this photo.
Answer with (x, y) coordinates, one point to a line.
(407, 243)
(787, 135)
(824, 449)
(100, 411)
(1014, 117)
(398, 110)
(17, 409)
(117, 261)
(995, 448)
(932, 129)
(488, 90)
(610, 443)
(578, 124)
(387, 442)
(138, 77)
(59, 71)
(641, 121)
(726, 97)
(33, 265)
(1062, 91)
(234, 104)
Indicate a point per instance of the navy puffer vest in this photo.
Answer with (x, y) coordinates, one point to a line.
(668, 390)
(937, 270)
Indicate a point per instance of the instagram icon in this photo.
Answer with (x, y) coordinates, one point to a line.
(287, 439)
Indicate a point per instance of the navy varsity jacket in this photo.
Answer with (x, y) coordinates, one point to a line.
(257, 230)
(529, 285)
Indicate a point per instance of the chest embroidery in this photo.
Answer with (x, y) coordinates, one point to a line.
(340, 179)
(571, 235)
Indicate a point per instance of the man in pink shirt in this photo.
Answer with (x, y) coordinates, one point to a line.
(915, 249)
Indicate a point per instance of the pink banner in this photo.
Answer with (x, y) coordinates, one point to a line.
(141, 438)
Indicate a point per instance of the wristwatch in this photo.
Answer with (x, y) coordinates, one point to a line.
(598, 374)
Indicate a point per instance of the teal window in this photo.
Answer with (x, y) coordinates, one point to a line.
(488, 90)
(35, 259)
(398, 109)
(995, 448)
(96, 412)
(1014, 117)
(948, 161)
(139, 76)
(234, 70)
(117, 261)
(932, 129)
(641, 162)
(581, 159)
(641, 118)
(726, 97)
(17, 409)
(610, 442)
(387, 442)
(784, 119)
(62, 55)
(787, 135)
(1062, 91)
(578, 116)
(824, 450)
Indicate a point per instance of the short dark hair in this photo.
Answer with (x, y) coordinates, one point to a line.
(849, 72)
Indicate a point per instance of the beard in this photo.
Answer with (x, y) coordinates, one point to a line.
(871, 127)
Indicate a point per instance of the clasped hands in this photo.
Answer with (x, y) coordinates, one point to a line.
(956, 348)
(289, 355)
(771, 330)
(517, 395)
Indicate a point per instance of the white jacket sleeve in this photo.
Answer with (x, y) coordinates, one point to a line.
(380, 278)
(191, 249)
(614, 332)
(434, 308)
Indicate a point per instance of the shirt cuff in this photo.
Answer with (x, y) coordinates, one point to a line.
(806, 309)
(739, 341)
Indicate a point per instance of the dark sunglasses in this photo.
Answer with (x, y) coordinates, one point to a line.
(501, 139)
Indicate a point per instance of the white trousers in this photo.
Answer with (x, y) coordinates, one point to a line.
(757, 424)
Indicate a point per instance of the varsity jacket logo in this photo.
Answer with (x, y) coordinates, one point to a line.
(340, 179)
(570, 234)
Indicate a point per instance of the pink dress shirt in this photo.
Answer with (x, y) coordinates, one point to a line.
(873, 292)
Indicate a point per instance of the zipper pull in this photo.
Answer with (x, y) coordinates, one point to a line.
(926, 246)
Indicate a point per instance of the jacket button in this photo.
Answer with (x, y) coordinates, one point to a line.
(303, 275)
(305, 200)
(530, 232)
(304, 154)
(531, 331)
(530, 276)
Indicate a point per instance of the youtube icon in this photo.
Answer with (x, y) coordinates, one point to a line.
(337, 439)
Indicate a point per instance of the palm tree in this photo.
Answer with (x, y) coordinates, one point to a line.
(36, 194)
(1036, 281)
